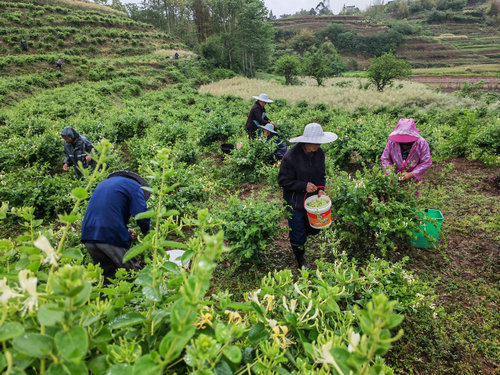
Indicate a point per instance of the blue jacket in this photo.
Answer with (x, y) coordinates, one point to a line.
(296, 170)
(109, 210)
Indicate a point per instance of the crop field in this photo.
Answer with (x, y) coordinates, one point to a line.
(370, 304)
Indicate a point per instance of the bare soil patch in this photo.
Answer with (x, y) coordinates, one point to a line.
(454, 83)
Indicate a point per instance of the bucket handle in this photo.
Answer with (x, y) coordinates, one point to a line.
(305, 195)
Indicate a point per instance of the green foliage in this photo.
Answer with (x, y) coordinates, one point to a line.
(384, 69)
(323, 63)
(373, 209)
(249, 226)
(287, 66)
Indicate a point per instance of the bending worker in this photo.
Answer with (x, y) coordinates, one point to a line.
(104, 228)
(77, 148)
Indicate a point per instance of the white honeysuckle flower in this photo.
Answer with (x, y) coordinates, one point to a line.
(324, 354)
(28, 284)
(43, 244)
(254, 297)
(353, 342)
(7, 292)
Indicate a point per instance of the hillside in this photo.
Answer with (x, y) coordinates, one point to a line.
(431, 43)
(95, 42)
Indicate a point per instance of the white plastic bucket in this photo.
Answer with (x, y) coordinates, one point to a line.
(319, 217)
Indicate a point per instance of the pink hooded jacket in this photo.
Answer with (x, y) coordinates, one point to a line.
(419, 158)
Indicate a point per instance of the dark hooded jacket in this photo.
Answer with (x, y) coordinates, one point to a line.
(78, 150)
(296, 170)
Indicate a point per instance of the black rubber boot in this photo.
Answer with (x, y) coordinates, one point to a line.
(299, 252)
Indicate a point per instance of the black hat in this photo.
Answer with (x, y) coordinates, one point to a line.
(134, 176)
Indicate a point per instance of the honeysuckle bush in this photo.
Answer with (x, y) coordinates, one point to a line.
(372, 209)
(58, 316)
(250, 225)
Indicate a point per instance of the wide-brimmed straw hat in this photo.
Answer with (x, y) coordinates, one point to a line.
(269, 127)
(263, 98)
(134, 176)
(313, 133)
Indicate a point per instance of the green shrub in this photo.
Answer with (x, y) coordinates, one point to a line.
(372, 210)
(250, 225)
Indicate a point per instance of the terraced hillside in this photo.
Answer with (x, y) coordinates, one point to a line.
(95, 43)
(437, 45)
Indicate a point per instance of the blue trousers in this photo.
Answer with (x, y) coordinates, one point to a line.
(300, 228)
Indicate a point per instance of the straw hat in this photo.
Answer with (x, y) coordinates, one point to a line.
(263, 98)
(269, 127)
(313, 133)
(134, 176)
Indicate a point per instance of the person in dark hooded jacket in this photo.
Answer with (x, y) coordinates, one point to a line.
(77, 148)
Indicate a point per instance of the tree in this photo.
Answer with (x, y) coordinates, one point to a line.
(323, 62)
(385, 69)
(287, 66)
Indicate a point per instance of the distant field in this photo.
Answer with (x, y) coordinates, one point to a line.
(342, 93)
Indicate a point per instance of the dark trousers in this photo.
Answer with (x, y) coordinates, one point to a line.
(109, 257)
(300, 228)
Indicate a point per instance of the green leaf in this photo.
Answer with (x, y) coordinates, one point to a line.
(152, 294)
(3, 362)
(257, 333)
(126, 320)
(72, 253)
(120, 369)
(68, 219)
(248, 355)
(73, 344)
(394, 320)
(98, 365)
(50, 314)
(146, 365)
(233, 353)
(223, 368)
(80, 369)
(176, 245)
(333, 306)
(135, 251)
(10, 330)
(79, 193)
(33, 344)
(83, 294)
(280, 370)
(57, 369)
(173, 344)
(145, 215)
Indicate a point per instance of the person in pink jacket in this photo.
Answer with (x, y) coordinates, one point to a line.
(407, 151)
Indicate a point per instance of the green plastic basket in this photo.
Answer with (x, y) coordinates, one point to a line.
(432, 227)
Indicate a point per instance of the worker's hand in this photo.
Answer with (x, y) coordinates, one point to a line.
(272, 123)
(88, 158)
(406, 176)
(132, 233)
(321, 193)
(311, 188)
(65, 167)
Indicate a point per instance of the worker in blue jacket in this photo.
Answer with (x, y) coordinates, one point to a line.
(104, 229)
